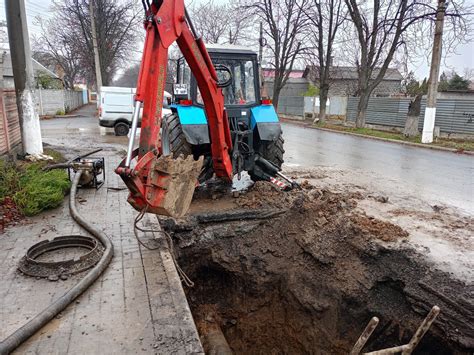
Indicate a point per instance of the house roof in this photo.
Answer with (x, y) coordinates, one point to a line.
(37, 67)
(270, 73)
(229, 48)
(350, 73)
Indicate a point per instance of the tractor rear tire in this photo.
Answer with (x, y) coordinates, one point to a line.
(174, 143)
(173, 139)
(272, 151)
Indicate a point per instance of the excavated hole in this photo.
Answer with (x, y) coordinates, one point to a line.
(269, 319)
(309, 280)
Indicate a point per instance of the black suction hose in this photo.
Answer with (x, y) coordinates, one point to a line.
(20, 335)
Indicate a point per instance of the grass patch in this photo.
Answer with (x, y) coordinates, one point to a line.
(32, 189)
(458, 144)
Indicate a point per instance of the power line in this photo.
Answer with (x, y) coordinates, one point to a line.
(38, 6)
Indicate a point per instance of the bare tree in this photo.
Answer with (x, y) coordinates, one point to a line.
(53, 47)
(383, 27)
(285, 25)
(325, 19)
(222, 22)
(468, 74)
(67, 36)
(129, 77)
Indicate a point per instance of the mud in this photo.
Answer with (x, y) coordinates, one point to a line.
(308, 280)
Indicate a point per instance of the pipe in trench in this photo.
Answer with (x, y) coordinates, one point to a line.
(22, 334)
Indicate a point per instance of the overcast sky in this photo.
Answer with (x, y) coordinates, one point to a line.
(464, 58)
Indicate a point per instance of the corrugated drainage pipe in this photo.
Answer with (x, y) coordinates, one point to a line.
(20, 335)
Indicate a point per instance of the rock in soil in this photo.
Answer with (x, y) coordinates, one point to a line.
(308, 280)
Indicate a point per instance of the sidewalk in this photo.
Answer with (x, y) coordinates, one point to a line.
(137, 306)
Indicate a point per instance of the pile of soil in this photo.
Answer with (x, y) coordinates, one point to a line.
(9, 213)
(309, 279)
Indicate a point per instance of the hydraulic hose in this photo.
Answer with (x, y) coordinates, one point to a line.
(20, 335)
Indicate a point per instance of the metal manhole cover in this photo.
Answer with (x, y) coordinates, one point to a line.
(53, 270)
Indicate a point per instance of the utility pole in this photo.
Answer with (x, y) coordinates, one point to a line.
(98, 75)
(430, 111)
(23, 75)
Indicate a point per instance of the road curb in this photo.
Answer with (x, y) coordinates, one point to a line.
(419, 145)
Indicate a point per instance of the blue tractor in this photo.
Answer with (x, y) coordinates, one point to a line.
(254, 125)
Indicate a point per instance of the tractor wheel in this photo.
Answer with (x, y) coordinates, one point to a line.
(272, 151)
(174, 143)
(173, 140)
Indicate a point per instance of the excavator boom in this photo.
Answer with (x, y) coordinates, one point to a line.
(157, 183)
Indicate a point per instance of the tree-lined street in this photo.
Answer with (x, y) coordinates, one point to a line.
(236, 177)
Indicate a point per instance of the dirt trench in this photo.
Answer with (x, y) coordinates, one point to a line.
(302, 272)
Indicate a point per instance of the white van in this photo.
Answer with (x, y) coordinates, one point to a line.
(116, 108)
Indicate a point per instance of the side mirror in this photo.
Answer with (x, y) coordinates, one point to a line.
(226, 70)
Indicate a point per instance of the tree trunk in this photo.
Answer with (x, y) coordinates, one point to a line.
(323, 98)
(362, 108)
(411, 123)
(276, 96)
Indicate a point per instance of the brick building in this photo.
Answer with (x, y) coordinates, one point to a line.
(343, 81)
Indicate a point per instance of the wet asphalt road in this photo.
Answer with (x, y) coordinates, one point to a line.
(427, 174)
(445, 176)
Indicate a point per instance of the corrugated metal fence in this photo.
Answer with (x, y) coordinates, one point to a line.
(10, 135)
(383, 111)
(452, 115)
(291, 105)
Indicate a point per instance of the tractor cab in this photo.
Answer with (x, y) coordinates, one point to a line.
(254, 125)
(238, 66)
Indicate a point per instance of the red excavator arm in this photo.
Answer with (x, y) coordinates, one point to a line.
(156, 183)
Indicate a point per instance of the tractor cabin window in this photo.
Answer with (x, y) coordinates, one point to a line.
(241, 91)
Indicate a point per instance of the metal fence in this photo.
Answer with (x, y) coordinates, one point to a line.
(10, 135)
(51, 102)
(452, 115)
(291, 105)
(384, 111)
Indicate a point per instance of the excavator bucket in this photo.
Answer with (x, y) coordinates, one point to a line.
(162, 185)
(172, 183)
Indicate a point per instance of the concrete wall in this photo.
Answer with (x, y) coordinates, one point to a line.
(456, 95)
(348, 87)
(49, 102)
(336, 105)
